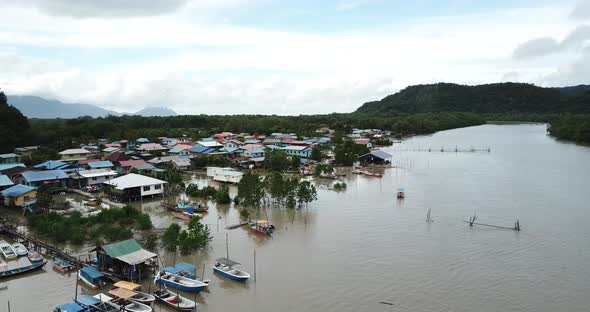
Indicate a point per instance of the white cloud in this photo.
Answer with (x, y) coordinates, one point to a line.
(219, 68)
(581, 11)
(350, 4)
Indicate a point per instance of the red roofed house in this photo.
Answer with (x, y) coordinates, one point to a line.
(125, 165)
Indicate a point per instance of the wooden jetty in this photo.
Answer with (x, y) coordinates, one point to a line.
(39, 246)
(472, 222)
(445, 150)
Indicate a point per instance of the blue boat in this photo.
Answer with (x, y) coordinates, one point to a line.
(23, 269)
(225, 267)
(70, 307)
(180, 282)
(184, 269)
(92, 277)
(90, 303)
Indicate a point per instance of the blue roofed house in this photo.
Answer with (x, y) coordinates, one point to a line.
(179, 152)
(200, 150)
(5, 182)
(376, 157)
(20, 196)
(10, 166)
(55, 179)
(103, 164)
(52, 165)
(9, 158)
(253, 152)
(296, 150)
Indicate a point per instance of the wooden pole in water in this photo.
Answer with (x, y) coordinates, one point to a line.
(8, 305)
(76, 291)
(226, 247)
(255, 264)
(203, 274)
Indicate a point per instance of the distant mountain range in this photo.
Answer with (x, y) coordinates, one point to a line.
(37, 107)
(487, 98)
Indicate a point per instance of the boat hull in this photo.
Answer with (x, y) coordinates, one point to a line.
(22, 270)
(187, 288)
(171, 299)
(231, 276)
(87, 282)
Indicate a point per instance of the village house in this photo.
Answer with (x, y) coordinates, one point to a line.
(271, 142)
(14, 173)
(300, 151)
(20, 196)
(378, 157)
(253, 152)
(136, 186)
(103, 164)
(184, 139)
(52, 165)
(74, 154)
(126, 260)
(228, 175)
(151, 147)
(232, 143)
(9, 158)
(91, 177)
(93, 149)
(125, 165)
(26, 151)
(209, 143)
(117, 157)
(200, 150)
(55, 179)
(179, 163)
(5, 182)
(363, 141)
(110, 150)
(142, 140)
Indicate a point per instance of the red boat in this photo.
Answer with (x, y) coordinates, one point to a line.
(372, 174)
(261, 227)
(182, 216)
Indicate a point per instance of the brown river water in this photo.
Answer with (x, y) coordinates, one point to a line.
(354, 250)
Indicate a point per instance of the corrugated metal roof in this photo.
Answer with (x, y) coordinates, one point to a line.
(121, 248)
(10, 155)
(10, 166)
(133, 180)
(5, 181)
(100, 164)
(51, 165)
(35, 176)
(17, 190)
(199, 149)
(74, 151)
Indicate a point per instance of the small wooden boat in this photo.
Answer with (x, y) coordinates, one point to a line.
(373, 174)
(35, 256)
(182, 216)
(180, 282)
(7, 250)
(261, 227)
(175, 301)
(225, 267)
(400, 193)
(192, 207)
(20, 249)
(62, 266)
(139, 296)
(23, 269)
(92, 277)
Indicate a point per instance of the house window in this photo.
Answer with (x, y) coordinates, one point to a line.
(146, 188)
(158, 186)
(94, 178)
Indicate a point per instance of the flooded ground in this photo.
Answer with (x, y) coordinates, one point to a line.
(358, 249)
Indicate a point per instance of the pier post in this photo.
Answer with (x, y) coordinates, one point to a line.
(254, 264)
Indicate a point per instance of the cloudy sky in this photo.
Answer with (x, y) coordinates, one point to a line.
(278, 56)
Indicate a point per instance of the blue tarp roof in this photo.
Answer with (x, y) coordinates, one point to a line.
(100, 164)
(17, 190)
(10, 155)
(87, 300)
(186, 266)
(172, 270)
(91, 272)
(35, 176)
(70, 307)
(10, 166)
(51, 164)
(5, 181)
(199, 149)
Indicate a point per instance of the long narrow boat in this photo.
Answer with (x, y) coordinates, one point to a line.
(182, 216)
(7, 250)
(175, 301)
(225, 267)
(21, 270)
(139, 296)
(20, 249)
(122, 304)
(185, 270)
(373, 174)
(92, 277)
(35, 256)
(180, 282)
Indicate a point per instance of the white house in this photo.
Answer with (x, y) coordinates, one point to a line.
(137, 186)
(229, 175)
(94, 176)
(301, 151)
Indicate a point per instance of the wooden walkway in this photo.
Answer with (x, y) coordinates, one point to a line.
(40, 246)
(445, 150)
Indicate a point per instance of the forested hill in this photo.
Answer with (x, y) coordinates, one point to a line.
(488, 98)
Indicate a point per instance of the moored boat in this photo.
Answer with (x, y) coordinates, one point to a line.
(373, 174)
(70, 307)
(7, 250)
(20, 249)
(185, 270)
(261, 227)
(92, 277)
(180, 282)
(139, 296)
(175, 300)
(182, 216)
(62, 266)
(23, 269)
(35, 256)
(225, 267)
(123, 304)
(401, 193)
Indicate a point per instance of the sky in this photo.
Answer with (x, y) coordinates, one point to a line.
(281, 57)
